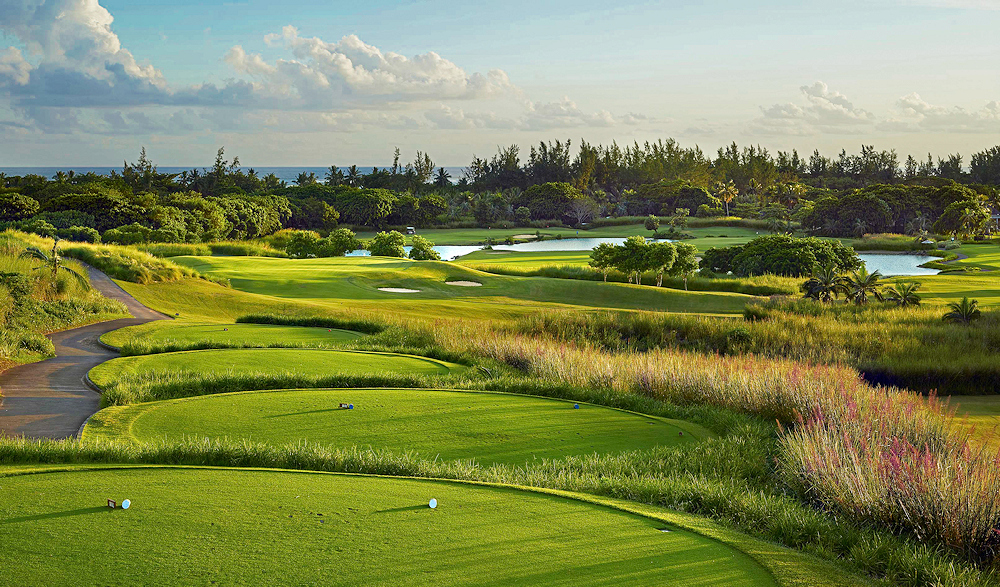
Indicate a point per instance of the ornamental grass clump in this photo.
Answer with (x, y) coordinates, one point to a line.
(947, 495)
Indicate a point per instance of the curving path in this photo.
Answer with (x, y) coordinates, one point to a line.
(50, 399)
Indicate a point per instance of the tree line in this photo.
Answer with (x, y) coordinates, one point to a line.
(851, 194)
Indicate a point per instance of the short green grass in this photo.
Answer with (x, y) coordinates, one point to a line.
(486, 427)
(226, 526)
(180, 332)
(355, 281)
(303, 362)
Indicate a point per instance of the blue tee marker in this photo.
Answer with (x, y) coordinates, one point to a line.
(126, 504)
(576, 406)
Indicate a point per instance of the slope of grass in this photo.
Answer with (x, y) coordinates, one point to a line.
(182, 335)
(355, 281)
(269, 527)
(302, 362)
(486, 427)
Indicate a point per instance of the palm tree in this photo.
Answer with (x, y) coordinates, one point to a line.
(862, 285)
(55, 261)
(917, 226)
(904, 294)
(353, 176)
(963, 312)
(726, 191)
(825, 284)
(860, 227)
(443, 178)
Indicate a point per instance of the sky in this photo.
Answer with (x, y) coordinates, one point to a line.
(90, 82)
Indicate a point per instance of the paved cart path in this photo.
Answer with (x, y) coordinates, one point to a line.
(50, 399)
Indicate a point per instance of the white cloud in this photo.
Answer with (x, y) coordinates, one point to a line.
(914, 114)
(83, 80)
(13, 67)
(824, 111)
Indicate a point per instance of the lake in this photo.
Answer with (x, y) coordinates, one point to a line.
(452, 252)
(887, 264)
(894, 265)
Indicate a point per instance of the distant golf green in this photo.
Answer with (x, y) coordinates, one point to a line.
(488, 427)
(228, 526)
(427, 288)
(305, 362)
(163, 332)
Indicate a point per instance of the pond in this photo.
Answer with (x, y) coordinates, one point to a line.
(893, 265)
(452, 252)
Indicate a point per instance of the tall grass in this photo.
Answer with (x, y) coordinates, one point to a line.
(890, 242)
(902, 347)
(227, 248)
(368, 324)
(948, 496)
(128, 263)
(53, 302)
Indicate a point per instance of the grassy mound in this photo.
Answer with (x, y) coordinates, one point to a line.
(160, 336)
(487, 427)
(302, 362)
(242, 526)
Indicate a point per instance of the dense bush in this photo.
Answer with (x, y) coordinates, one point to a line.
(387, 244)
(780, 255)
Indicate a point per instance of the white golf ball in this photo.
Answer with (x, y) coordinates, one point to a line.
(433, 503)
(126, 504)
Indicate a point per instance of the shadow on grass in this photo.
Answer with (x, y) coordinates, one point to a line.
(65, 514)
(409, 508)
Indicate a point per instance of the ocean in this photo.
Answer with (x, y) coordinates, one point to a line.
(287, 174)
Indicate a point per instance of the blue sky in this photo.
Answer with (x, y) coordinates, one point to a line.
(87, 82)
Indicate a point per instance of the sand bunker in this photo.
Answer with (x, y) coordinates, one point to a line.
(398, 290)
(464, 283)
(525, 236)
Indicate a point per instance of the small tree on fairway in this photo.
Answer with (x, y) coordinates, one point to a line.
(388, 244)
(660, 258)
(963, 312)
(686, 262)
(652, 223)
(604, 258)
(423, 250)
(632, 258)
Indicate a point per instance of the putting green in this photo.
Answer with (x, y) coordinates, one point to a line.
(305, 362)
(228, 526)
(487, 427)
(250, 335)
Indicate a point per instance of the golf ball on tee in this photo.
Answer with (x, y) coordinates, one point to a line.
(125, 504)
(433, 503)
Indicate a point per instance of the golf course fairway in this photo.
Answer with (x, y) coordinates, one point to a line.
(230, 526)
(249, 335)
(303, 362)
(488, 427)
